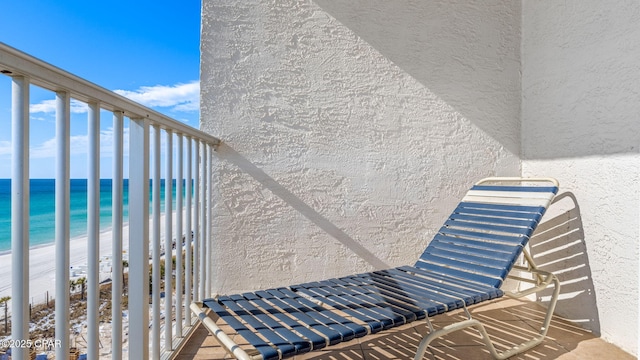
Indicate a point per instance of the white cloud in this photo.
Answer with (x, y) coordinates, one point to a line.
(47, 149)
(49, 106)
(180, 97)
(5, 148)
(106, 142)
(79, 145)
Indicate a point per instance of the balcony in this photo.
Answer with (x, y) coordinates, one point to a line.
(348, 132)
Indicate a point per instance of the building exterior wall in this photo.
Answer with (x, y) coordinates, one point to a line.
(350, 129)
(581, 124)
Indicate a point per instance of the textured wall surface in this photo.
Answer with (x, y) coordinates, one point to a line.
(350, 128)
(581, 124)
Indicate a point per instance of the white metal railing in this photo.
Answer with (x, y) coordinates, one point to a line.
(144, 340)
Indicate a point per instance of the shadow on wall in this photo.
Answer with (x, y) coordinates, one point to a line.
(580, 75)
(559, 246)
(226, 152)
(467, 53)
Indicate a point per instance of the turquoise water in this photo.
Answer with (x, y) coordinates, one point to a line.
(42, 209)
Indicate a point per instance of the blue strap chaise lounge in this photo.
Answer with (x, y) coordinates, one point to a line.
(466, 263)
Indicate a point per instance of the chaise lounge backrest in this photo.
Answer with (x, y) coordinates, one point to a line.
(485, 234)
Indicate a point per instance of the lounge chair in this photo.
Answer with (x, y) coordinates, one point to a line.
(466, 263)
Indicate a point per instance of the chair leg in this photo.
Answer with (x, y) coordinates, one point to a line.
(473, 323)
(422, 347)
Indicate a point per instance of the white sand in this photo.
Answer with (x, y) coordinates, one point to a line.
(42, 277)
(42, 261)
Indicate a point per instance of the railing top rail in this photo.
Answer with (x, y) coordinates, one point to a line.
(14, 62)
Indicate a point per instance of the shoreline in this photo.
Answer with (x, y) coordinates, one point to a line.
(42, 268)
(52, 243)
(42, 265)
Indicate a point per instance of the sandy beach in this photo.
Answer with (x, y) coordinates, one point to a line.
(42, 261)
(42, 279)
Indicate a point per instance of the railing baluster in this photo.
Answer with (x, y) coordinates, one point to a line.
(203, 220)
(138, 239)
(196, 224)
(189, 239)
(179, 218)
(116, 225)
(93, 230)
(168, 236)
(20, 211)
(63, 106)
(155, 277)
(208, 222)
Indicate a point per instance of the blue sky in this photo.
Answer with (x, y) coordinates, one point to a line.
(145, 50)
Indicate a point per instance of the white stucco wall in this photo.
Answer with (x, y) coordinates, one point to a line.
(581, 124)
(350, 129)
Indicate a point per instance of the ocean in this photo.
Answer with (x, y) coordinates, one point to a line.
(42, 209)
